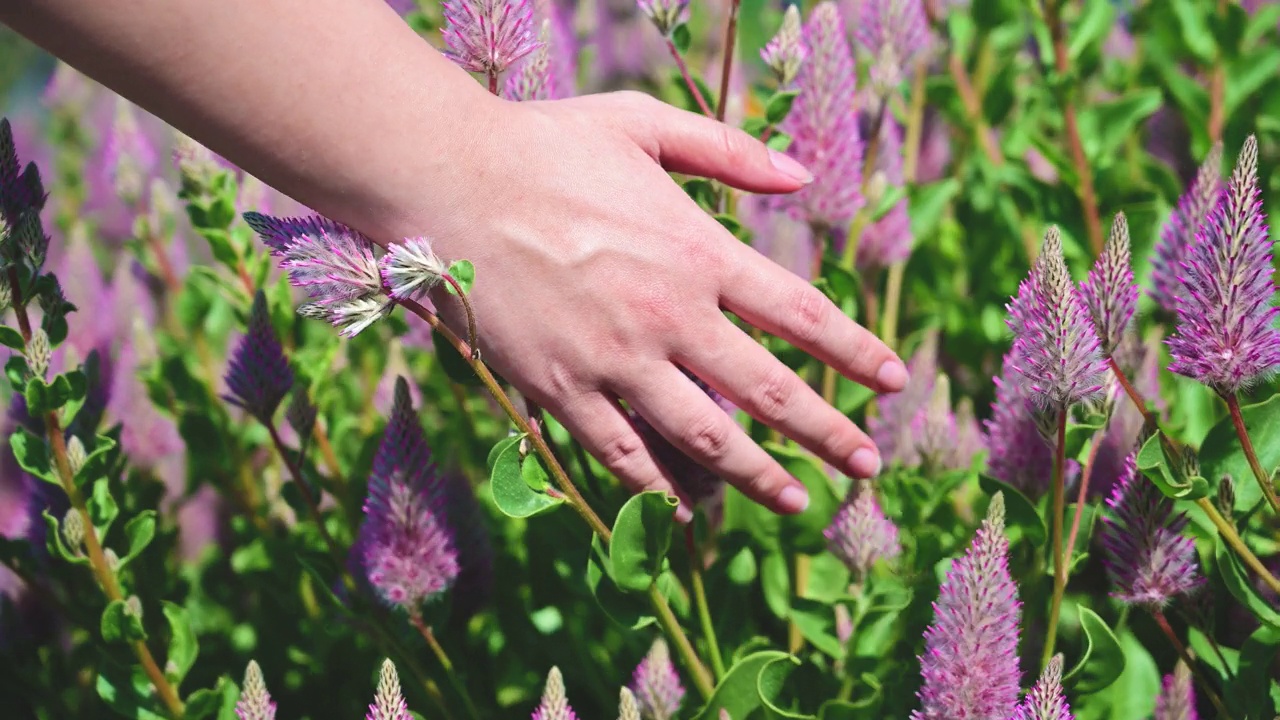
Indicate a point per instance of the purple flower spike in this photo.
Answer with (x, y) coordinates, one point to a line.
(1019, 454)
(656, 684)
(970, 662)
(532, 81)
(258, 375)
(860, 535)
(823, 125)
(1110, 291)
(667, 15)
(895, 33)
(1179, 232)
(891, 430)
(1056, 348)
(1177, 700)
(255, 702)
(555, 703)
(20, 189)
(1226, 336)
(786, 52)
(488, 36)
(1046, 701)
(409, 553)
(388, 703)
(935, 432)
(129, 157)
(1148, 558)
(887, 240)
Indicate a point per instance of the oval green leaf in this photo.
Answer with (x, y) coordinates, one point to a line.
(738, 692)
(641, 538)
(511, 493)
(1103, 659)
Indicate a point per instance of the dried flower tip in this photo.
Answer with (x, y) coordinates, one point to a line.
(627, 708)
(667, 15)
(1179, 232)
(1046, 700)
(301, 413)
(786, 52)
(859, 534)
(409, 269)
(76, 455)
(388, 702)
(1110, 290)
(113, 560)
(196, 164)
(259, 375)
(488, 36)
(656, 684)
(1177, 699)
(255, 702)
(73, 530)
(555, 703)
(38, 352)
(133, 607)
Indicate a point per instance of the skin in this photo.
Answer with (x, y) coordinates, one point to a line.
(598, 278)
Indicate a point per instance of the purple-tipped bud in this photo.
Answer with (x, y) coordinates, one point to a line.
(255, 702)
(1226, 336)
(488, 36)
(656, 684)
(970, 662)
(887, 240)
(786, 52)
(859, 534)
(823, 125)
(935, 432)
(532, 79)
(666, 15)
(895, 33)
(1177, 699)
(388, 702)
(258, 375)
(555, 703)
(1019, 454)
(1046, 700)
(1179, 232)
(1110, 291)
(129, 156)
(408, 550)
(1056, 348)
(411, 268)
(1148, 558)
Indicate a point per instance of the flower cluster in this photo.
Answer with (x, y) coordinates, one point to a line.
(860, 535)
(656, 684)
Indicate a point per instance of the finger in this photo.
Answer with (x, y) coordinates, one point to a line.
(691, 421)
(604, 430)
(693, 144)
(756, 381)
(782, 304)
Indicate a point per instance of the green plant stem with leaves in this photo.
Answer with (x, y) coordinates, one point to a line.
(910, 163)
(700, 602)
(1246, 444)
(1205, 686)
(683, 67)
(1059, 561)
(415, 619)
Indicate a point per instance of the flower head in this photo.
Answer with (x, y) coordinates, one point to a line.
(1179, 232)
(488, 36)
(1226, 336)
(627, 707)
(129, 156)
(532, 80)
(255, 702)
(667, 15)
(1019, 454)
(1110, 291)
(21, 191)
(656, 684)
(388, 702)
(823, 125)
(1149, 560)
(1177, 699)
(786, 52)
(935, 432)
(1046, 701)
(1056, 348)
(555, 703)
(259, 375)
(970, 662)
(894, 33)
(891, 429)
(411, 268)
(859, 534)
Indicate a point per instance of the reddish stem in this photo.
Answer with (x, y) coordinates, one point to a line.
(1208, 689)
(688, 79)
(730, 42)
(1264, 480)
(1080, 498)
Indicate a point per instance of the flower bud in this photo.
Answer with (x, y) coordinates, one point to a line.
(5, 297)
(76, 455)
(73, 530)
(667, 15)
(38, 352)
(113, 560)
(133, 606)
(785, 53)
(1227, 498)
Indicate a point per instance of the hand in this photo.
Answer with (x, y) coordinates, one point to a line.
(598, 279)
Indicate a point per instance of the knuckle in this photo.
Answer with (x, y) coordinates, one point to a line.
(810, 314)
(736, 145)
(708, 437)
(773, 396)
(622, 453)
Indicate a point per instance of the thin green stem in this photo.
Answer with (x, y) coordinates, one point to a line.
(688, 79)
(910, 165)
(1185, 656)
(700, 602)
(313, 504)
(726, 70)
(1059, 562)
(415, 618)
(702, 679)
(1246, 444)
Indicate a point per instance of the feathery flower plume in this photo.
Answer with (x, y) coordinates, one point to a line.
(532, 79)
(859, 534)
(564, 47)
(887, 240)
(196, 164)
(555, 704)
(656, 684)
(301, 413)
(333, 263)
(1179, 232)
(1056, 348)
(1110, 290)
(129, 157)
(1046, 700)
(935, 432)
(894, 33)
(255, 702)
(1148, 558)
(408, 551)
(388, 702)
(698, 483)
(20, 189)
(970, 662)
(1226, 336)
(258, 375)
(891, 430)
(411, 268)
(666, 15)
(786, 52)
(627, 707)
(488, 36)
(969, 438)
(823, 125)
(1177, 699)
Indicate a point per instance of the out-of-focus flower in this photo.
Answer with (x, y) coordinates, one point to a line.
(1149, 560)
(970, 662)
(778, 235)
(666, 15)
(1179, 232)
(627, 707)
(859, 534)
(786, 52)
(888, 239)
(128, 157)
(1226, 336)
(488, 36)
(1046, 700)
(1110, 291)
(935, 433)
(555, 703)
(255, 702)
(1177, 699)
(656, 684)
(895, 33)
(891, 429)
(532, 78)
(388, 702)
(698, 483)
(259, 375)
(21, 191)
(935, 148)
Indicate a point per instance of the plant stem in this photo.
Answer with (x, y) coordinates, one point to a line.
(1208, 689)
(700, 600)
(688, 79)
(1129, 389)
(1246, 444)
(313, 505)
(702, 679)
(326, 450)
(910, 165)
(1062, 63)
(1059, 562)
(471, 314)
(730, 45)
(493, 82)
(1081, 497)
(415, 617)
(972, 105)
(795, 639)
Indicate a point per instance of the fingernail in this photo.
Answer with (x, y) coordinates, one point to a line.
(684, 515)
(892, 375)
(864, 463)
(788, 166)
(793, 499)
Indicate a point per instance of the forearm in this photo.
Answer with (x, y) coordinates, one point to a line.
(329, 101)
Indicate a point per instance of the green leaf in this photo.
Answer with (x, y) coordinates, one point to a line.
(738, 693)
(465, 273)
(140, 531)
(511, 493)
(731, 224)
(1105, 126)
(1102, 661)
(215, 701)
(626, 609)
(1093, 26)
(1132, 695)
(702, 192)
(803, 532)
(1155, 463)
(1196, 32)
(1250, 694)
(1249, 76)
(1237, 582)
(57, 544)
(779, 141)
(681, 37)
(183, 646)
(124, 697)
(641, 538)
(754, 126)
(37, 396)
(817, 623)
(779, 105)
(533, 475)
(120, 625)
(1220, 453)
(33, 455)
(769, 684)
(11, 338)
(102, 507)
(16, 370)
(451, 361)
(1020, 512)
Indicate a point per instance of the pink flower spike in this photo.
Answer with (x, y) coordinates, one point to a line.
(488, 36)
